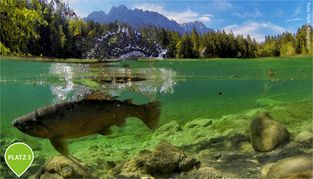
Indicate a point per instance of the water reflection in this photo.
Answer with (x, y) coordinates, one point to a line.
(66, 73)
(77, 80)
(145, 81)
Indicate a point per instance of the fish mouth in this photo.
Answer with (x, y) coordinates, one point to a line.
(33, 129)
(15, 123)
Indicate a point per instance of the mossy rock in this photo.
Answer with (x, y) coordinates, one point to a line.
(165, 160)
(267, 102)
(63, 167)
(304, 136)
(267, 134)
(198, 123)
(300, 165)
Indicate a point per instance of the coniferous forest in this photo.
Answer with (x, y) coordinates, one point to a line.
(52, 29)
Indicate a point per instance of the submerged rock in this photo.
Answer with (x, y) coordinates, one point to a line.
(165, 160)
(233, 142)
(267, 134)
(226, 164)
(167, 129)
(300, 166)
(208, 172)
(304, 136)
(267, 102)
(300, 175)
(62, 167)
(198, 123)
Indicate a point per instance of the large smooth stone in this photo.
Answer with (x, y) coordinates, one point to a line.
(267, 134)
(291, 167)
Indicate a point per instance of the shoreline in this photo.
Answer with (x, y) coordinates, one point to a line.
(48, 59)
(88, 61)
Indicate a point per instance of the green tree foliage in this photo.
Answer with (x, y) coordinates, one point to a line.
(208, 46)
(287, 44)
(221, 44)
(173, 40)
(269, 48)
(287, 49)
(4, 50)
(195, 39)
(164, 38)
(19, 20)
(304, 40)
(185, 47)
(51, 28)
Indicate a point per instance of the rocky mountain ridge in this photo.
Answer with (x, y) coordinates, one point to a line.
(138, 18)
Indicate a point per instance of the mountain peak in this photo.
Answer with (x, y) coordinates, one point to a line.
(199, 26)
(96, 16)
(138, 18)
(98, 13)
(120, 7)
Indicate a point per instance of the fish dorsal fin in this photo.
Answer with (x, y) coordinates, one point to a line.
(129, 101)
(98, 96)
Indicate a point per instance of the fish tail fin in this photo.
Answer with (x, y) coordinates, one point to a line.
(151, 114)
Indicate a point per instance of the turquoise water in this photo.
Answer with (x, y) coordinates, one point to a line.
(186, 89)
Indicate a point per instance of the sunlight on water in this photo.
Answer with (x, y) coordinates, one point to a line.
(66, 71)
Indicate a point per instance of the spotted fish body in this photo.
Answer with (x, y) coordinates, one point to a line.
(82, 118)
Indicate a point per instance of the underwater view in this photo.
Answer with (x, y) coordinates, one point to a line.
(116, 89)
(206, 107)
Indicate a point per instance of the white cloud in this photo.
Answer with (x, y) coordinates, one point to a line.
(204, 18)
(180, 17)
(297, 10)
(279, 13)
(294, 19)
(222, 5)
(255, 30)
(249, 14)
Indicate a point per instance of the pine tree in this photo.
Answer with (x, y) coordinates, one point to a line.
(184, 47)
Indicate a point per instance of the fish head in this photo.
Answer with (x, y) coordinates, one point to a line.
(30, 125)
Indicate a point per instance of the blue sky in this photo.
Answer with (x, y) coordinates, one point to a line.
(255, 17)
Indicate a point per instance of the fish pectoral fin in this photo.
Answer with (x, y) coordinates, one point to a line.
(105, 131)
(60, 145)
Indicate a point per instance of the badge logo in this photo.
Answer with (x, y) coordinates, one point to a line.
(19, 156)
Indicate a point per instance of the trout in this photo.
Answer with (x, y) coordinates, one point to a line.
(91, 115)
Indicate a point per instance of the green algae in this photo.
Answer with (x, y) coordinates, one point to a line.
(198, 134)
(212, 101)
(88, 83)
(101, 153)
(264, 102)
